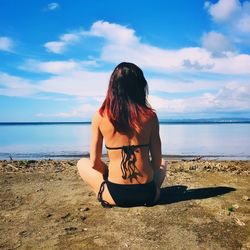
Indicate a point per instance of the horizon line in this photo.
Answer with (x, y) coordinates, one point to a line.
(162, 121)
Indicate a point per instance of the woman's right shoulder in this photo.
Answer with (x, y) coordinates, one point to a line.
(154, 118)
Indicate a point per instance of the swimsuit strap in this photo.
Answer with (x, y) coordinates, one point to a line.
(99, 196)
(128, 146)
(128, 167)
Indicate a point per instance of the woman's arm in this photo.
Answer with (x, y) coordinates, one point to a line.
(96, 146)
(155, 144)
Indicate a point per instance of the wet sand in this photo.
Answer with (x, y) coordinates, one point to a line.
(204, 205)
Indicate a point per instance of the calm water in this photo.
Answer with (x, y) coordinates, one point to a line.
(230, 141)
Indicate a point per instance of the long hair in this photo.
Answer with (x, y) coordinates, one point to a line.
(126, 100)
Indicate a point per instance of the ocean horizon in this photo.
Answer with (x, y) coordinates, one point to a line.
(161, 121)
(181, 139)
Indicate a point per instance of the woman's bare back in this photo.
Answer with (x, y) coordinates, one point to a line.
(142, 136)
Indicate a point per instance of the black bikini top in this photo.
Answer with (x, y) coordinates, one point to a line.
(129, 170)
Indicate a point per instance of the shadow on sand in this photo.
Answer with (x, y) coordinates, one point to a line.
(181, 193)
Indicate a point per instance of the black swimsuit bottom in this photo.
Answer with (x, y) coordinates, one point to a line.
(129, 195)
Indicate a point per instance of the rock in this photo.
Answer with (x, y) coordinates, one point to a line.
(70, 230)
(65, 216)
(235, 206)
(58, 170)
(12, 166)
(193, 167)
(84, 209)
(24, 233)
(239, 222)
(245, 198)
(83, 218)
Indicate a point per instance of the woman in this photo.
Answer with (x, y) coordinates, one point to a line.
(130, 129)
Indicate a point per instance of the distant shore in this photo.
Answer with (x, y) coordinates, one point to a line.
(45, 205)
(162, 121)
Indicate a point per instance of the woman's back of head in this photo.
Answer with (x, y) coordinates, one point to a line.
(126, 101)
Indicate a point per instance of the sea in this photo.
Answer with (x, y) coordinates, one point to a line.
(186, 139)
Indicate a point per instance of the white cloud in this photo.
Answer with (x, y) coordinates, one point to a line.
(216, 43)
(233, 64)
(84, 111)
(90, 88)
(231, 13)
(73, 78)
(59, 47)
(69, 37)
(243, 24)
(121, 44)
(223, 9)
(53, 6)
(181, 86)
(15, 86)
(115, 33)
(6, 44)
(232, 96)
(55, 67)
(55, 47)
(77, 83)
(185, 59)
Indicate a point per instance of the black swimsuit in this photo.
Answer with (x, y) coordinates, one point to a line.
(127, 195)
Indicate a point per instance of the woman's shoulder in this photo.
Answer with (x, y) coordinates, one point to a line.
(153, 118)
(96, 119)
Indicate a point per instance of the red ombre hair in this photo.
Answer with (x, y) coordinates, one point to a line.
(126, 101)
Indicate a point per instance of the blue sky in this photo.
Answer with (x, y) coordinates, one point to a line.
(56, 57)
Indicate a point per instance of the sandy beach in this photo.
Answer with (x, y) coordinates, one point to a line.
(204, 205)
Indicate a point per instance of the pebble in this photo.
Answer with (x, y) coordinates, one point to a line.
(239, 222)
(83, 218)
(70, 230)
(245, 198)
(40, 189)
(65, 216)
(84, 209)
(192, 167)
(24, 233)
(12, 166)
(235, 206)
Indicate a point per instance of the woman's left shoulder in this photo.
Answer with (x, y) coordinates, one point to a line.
(96, 117)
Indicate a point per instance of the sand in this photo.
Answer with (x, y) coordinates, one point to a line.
(204, 205)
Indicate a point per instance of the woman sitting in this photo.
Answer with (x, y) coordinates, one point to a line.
(130, 129)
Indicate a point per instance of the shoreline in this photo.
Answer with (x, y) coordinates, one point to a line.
(75, 156)
(174, 165)
(204, 205)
